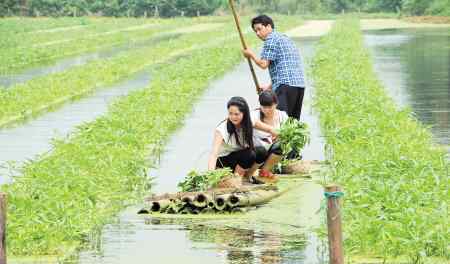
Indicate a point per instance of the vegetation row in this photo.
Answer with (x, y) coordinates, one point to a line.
(20, 52)
(395, 178)
(35, 96)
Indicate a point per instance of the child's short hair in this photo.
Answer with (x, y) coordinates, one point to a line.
(264, 20)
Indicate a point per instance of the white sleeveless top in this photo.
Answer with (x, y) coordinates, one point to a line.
(261, 138)
(230, 145)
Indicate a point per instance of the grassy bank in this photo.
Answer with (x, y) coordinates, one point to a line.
(65, 196)
(395, 178)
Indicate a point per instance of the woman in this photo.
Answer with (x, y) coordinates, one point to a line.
(233, 145)
(268, 152)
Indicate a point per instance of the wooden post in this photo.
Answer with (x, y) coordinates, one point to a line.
(2, 228)
(334, 224)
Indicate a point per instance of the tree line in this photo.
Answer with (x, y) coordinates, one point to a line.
(408, 7)
(117, 8)
(170, 8)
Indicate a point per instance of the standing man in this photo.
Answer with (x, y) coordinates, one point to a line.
(285, 65)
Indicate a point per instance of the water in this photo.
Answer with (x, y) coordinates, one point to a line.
(414, 66)
(61, 65)
(23, 142)
(284, 238)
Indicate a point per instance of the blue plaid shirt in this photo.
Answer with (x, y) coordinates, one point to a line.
(286, 66)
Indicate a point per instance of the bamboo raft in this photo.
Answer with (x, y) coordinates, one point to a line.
(212, 201)
(221, 200)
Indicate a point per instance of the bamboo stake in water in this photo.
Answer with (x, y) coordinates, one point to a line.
(334, 226)
(244, 45)
(2, 228)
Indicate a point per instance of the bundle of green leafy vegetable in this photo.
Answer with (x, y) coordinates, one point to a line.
(293, 135)
(201, 181)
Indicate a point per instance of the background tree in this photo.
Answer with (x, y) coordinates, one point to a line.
(169, 8)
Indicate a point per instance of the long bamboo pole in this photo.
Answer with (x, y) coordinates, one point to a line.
(244, 45)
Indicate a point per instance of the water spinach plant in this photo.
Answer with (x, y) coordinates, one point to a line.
(35, 96)
(395, 178)
(39, 49)
(65, 196)
(201, 181)
(293, 135)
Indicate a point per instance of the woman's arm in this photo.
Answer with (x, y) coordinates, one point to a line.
(266, 128)
(217, 142)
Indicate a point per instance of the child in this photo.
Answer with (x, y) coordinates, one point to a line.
(268, 153)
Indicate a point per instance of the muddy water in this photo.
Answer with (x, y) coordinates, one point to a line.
(24, 142)
(285, 237)
(414, 66)
(61, 65)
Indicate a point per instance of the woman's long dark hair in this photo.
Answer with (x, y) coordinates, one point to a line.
(266, 98)
(246, 124)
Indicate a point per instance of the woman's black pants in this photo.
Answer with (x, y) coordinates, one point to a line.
(244, 158)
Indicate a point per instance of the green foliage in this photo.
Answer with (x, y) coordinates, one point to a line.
(395, 178)
(294, 135)
(54, 89)
(26, 50)
(64, 197)
(415, 7)
(383, 5)
(164, 8)
(201, 181)
(286, 6)
(439, 7)
(412, 7)
(170, 8)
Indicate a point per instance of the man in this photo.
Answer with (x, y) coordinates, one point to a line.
(285, 65)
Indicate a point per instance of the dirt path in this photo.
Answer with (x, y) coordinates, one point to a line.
(317, 28)
(311, 28)
(372, 24)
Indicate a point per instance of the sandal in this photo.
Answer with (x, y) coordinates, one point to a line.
(266, 176)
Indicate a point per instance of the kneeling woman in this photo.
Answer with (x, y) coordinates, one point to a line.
(233, 139)
(268, 152)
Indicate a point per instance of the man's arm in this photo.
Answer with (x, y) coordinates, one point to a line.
(262, 63)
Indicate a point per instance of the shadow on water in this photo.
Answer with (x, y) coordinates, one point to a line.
(279, 232)
(23, 142)
(10, 80)
(414, 66)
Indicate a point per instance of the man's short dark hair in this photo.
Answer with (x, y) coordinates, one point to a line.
(264, 20)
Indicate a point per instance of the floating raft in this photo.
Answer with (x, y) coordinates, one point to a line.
(212, 201)
(221, 200)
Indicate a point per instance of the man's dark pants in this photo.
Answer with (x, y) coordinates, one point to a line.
(290, 100)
